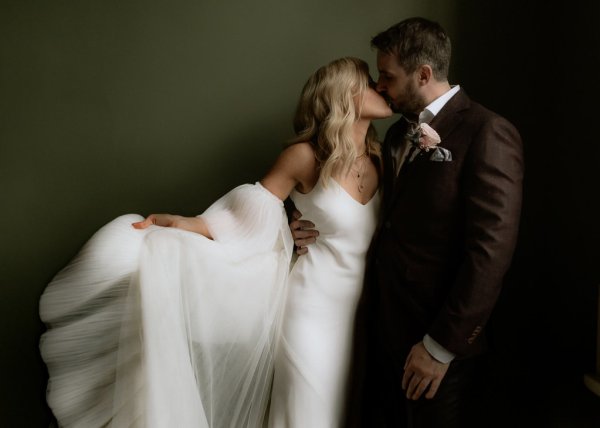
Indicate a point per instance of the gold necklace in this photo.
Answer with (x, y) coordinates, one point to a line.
(359, 173)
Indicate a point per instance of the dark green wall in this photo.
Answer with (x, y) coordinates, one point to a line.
(111, 107)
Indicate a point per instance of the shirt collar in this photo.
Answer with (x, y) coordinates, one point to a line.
(434, 108)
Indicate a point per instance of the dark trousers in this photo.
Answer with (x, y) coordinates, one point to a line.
(454, 406)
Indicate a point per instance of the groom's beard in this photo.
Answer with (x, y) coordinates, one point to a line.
(410, 103)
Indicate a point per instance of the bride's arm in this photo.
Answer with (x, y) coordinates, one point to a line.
(296, 166)
(192, 224)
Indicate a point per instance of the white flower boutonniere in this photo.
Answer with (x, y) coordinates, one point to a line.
(425, 138)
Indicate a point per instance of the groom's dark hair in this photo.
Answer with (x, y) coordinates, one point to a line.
(415, 42)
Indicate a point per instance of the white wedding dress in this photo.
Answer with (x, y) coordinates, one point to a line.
(165, 328)
(313, 357)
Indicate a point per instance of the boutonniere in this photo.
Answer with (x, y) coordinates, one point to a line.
(425, 138)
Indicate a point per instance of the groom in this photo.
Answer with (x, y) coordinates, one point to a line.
(452, 188)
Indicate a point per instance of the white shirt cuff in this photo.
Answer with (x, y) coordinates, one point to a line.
(437, 351)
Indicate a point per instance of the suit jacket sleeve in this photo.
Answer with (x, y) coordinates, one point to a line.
(492, 185)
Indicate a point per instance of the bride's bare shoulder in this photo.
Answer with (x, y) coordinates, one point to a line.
(302, 152)
(302, 160)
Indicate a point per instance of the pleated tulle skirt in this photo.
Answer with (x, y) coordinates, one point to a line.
(165, 328)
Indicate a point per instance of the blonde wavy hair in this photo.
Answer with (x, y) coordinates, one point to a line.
(326, 112)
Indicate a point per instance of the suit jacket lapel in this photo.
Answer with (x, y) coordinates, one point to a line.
(389, 174)
(450, 115)
(444, 123)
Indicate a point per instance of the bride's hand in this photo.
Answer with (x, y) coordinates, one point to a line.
(191, 224)
(164, 220)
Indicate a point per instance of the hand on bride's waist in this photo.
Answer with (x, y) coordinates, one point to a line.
(303, 232)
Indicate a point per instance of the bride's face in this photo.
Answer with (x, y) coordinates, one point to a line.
(372, 105)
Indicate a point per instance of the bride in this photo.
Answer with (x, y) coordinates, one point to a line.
(204, 321)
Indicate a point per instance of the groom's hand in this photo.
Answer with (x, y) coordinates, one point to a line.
(422, 372)
(303, 232)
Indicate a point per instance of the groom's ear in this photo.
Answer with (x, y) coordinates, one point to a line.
(424, 74)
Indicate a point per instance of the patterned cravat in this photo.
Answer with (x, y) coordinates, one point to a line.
(407, 147)
(413, 132)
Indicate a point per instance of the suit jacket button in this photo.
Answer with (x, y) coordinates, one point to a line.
(387, 224)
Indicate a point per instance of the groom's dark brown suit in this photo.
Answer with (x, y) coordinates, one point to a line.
(445, 239)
